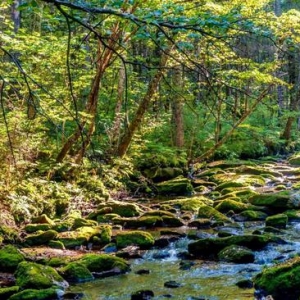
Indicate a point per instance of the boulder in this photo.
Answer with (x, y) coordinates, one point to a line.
(38, 294)
(6, 292)
(179, 186)
(282, 281)
(120, 208)
(31, 275)
(206, 211)
(40, 238)
(76, 272)
(10, 257)
(139, 238)
(277, 221)
(236, 254)
(210, 247)
(227, 205)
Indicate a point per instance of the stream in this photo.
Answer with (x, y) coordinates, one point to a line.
(202, 279)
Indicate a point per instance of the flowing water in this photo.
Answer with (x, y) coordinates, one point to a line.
(209, 280)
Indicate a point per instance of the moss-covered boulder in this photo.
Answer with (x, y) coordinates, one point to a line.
(76, 272)
(206, 211)
(10, 257)
(104, 262)
(210, 247)
(278, 202)
(40, 238)
(294, 160)
(141, 222)
(168, 219)
(250, 215)
(227, 205)
(31, 275)
(139, 238)
(179, 186)
(236, 254)
(122, 209)
(106, 234)
(106, 218)
(189, 204)
(158, 174)
(56, 245)
(42, 219)
(31, 228)
(230, 184)
(277, 221)
(6, 292)
(282, 281)
(78, 237)
(81, 222)
(37, 294)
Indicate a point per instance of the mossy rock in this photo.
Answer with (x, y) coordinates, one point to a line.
(141, 222)
(277, 221)
(179, 186)
(37, 294)
(189, 204)
(63, 226)
(81, 222)
(107, 218)
(210, 247)
(9, 234)
(57, 261)
(282, 281)
(294, 160)
(106, 234)
(10, 257)
(206, 211)
(168, 219)
(76, 272)
(42, 219)
(251, 215)
(6, 292)
(231, 205)
(121, 208)
(236, 254)
(32, 275)
(161, 174)
(31, 228)
(257, 170)
(293, 214)
(40, 238)
(139, 238)
(78, 237)
(279, 201)
(104, 262)
(229, 184)
(56, 245)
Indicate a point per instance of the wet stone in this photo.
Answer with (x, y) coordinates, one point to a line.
(142, 295)
(142, 271)
(172, 284)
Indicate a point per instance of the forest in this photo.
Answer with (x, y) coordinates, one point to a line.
(131, 126)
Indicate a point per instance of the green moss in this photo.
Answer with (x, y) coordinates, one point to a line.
(80, 222)
(143, 221)
(106, 234)
(76, 272)
(236, 254)
(55, 262)
(36, 276)
(178, 186)
(42, 219)
(78, 237)
(10, 257)
(40, 238)
(294, 160)
(282, 281)
(121, 208)
(56, 245)
(210, 247)
(36, 294)
(231, 205)
(206, 211)
(189, 204)
(31, 228)
(9, 234)
(6, 292)
(278, 201)
(104, 262)
(107, 218)
(253, 215)
(229, 184)
(277, 221)
(140, 238)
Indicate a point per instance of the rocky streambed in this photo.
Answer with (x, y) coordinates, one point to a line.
(229, 231)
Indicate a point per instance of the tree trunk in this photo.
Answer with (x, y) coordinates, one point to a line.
(15, 14)
(137, 120)
(177, 110)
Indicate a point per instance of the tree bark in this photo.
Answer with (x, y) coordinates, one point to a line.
(177, 110)
(144, 104)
